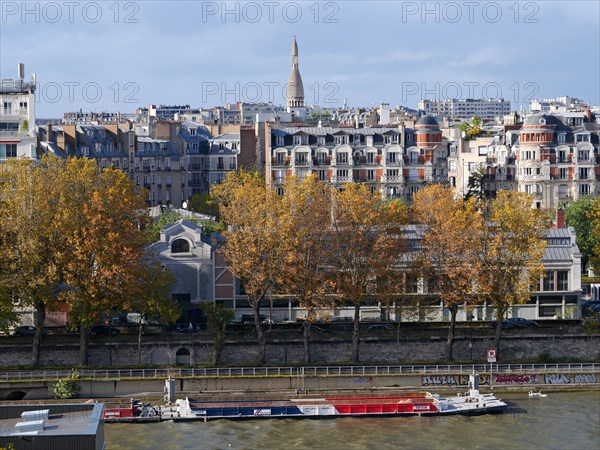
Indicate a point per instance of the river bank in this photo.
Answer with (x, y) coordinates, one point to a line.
(289, 380)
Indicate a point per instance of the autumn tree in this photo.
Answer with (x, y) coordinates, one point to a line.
(365, 241)
(513, 246)
(218, 316)
(450, 248)
(594, 216)
(254, 245)
(150, 294)
(308, 273)
(167, 217)
(31, 238)
(101, 220)
(580, 215)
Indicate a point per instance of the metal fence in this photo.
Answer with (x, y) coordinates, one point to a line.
(296, 371)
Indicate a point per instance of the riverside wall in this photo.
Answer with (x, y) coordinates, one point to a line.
(197, 351)
(259, 387)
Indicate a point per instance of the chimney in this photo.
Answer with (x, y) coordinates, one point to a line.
(588, 114)
(48, 132)
(560, 218)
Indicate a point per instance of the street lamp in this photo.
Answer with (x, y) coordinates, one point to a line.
(108, 321)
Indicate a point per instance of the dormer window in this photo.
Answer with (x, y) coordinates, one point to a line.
(193, 131)
(279, 141)
(180, 246)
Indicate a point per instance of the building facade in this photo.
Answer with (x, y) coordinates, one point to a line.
(17, 117)
(466, 108)
(396, 161)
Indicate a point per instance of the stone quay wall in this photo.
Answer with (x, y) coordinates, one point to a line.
(197, 351)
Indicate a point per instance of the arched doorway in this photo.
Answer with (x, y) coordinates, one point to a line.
(16, 395)
(182, 357)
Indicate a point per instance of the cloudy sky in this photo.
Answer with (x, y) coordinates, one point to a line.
(107, 56)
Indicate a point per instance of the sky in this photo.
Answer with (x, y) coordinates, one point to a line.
(117, 56)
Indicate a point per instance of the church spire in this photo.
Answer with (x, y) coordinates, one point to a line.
(295, 88)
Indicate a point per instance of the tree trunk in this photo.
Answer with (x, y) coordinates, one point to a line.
(306, 326)
(139, 342)
(260, 335)
(218, 345)
(500, 313)
(83, 345)
(355, 334)
(40, 315)
(450, 340)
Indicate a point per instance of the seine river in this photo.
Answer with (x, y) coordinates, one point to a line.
(559, 421)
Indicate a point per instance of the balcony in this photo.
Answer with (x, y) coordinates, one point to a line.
(392, 179)
(336, 179)
(320, 162)
(18, 134)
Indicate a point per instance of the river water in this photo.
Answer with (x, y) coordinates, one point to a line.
(559, 421)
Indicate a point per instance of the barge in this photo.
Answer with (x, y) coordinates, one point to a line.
(422, 404)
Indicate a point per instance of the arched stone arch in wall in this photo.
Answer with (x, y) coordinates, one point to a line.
(161, 356)
(183, 357)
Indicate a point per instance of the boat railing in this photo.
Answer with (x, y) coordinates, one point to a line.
(366, 370)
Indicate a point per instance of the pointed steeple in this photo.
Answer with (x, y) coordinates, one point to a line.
(295, 88)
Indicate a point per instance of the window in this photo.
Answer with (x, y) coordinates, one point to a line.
(8, 151)
(341, 158)
(583, 173)
(583, 155)
(339, 140)
(370, 175)
(562, 156)
(193, 131)
(562, 280)
(300, 140)
(342, 173)
(563, 173)
(7, 109)
(584, 189)
(561, 138)
(321, 140)
(322, 175)
(279, 141)
(180, 246)
(548, 281)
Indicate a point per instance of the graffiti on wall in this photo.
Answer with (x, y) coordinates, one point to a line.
(507, 379)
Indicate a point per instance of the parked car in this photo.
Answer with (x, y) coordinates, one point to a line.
(381, 326)
(249, 319)
(187, 330)
(27, 331)
(517, 322)
(103, 330)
